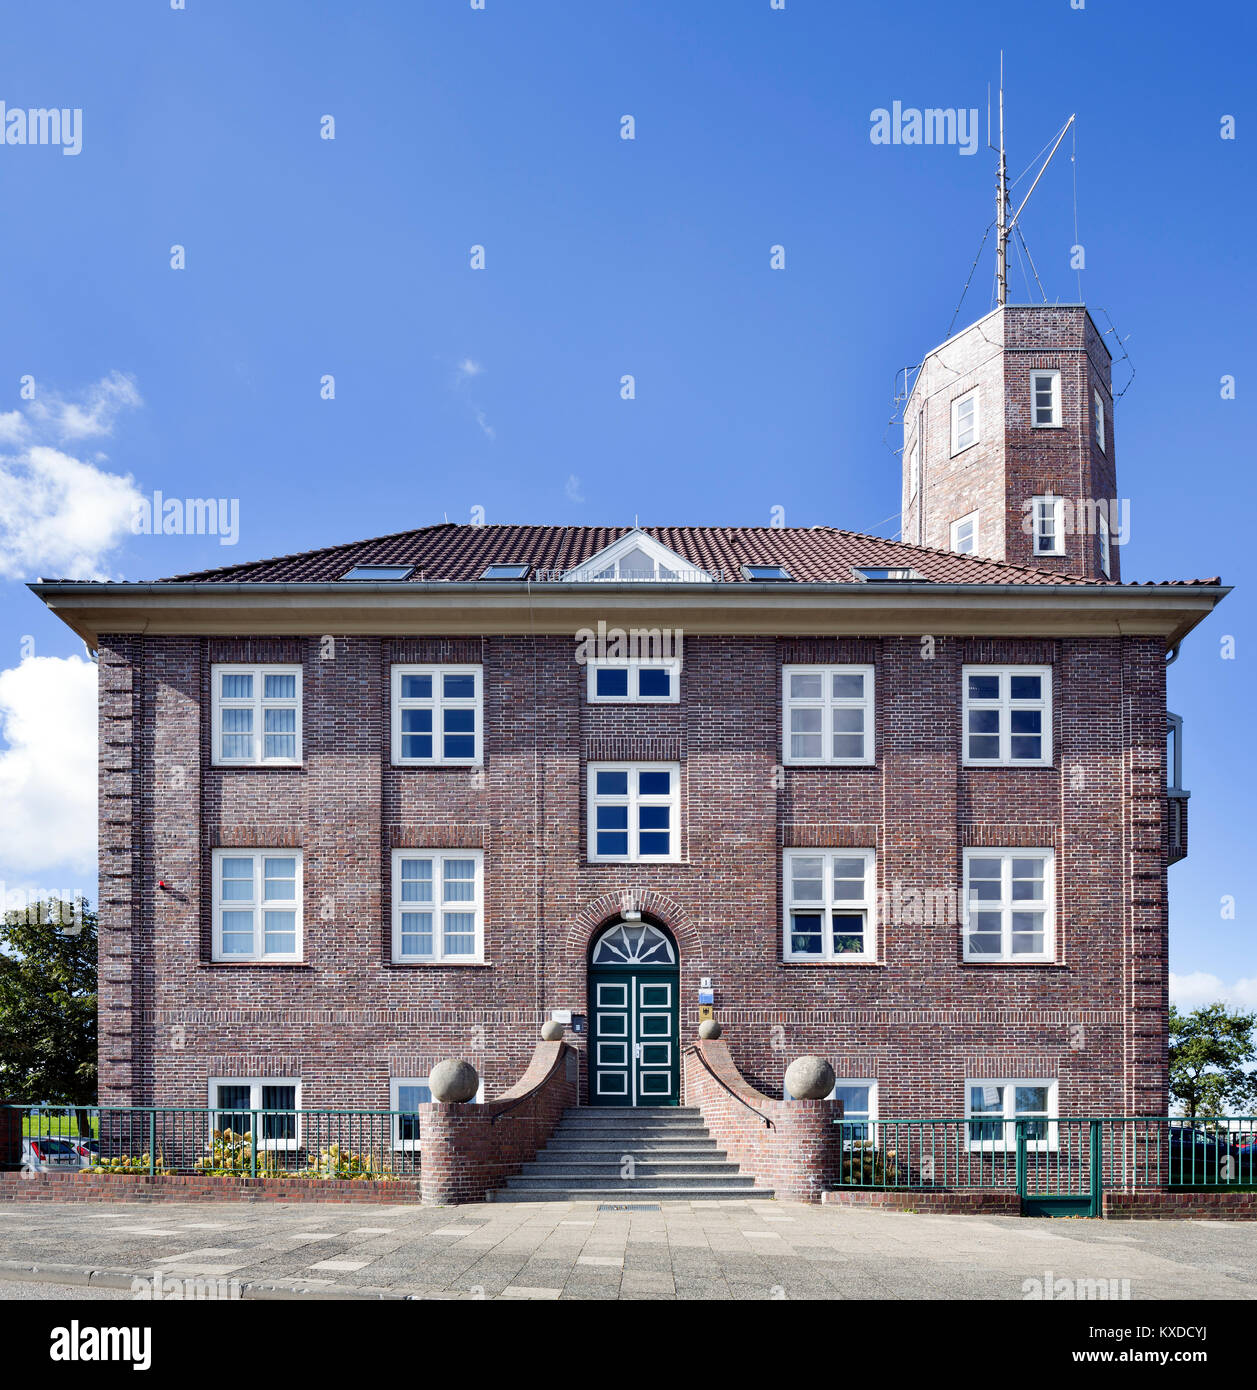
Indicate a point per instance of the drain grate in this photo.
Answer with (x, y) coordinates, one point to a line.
(628, 1206)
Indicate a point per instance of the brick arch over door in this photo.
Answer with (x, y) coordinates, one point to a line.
(596, 914)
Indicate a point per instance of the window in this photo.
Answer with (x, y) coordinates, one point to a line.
(1007, 715)
(438, 905)
(1106, 557)
(828, 897)
(634, 682)
(1099, 402)
(237, 1102)
(634, 812)
(877, 574)
(257, 904)
(859, 1110)
(766, 573)
(379, 572)
(1049, 525)
(436, 715)
(505, 572)
(964, 534)
(405, 1095)
(964, 422)
(1174, 752)
(991, 1107)
(257, 715)
(827, 714)
(914, 472)
(1008, 904)
(1045, 400)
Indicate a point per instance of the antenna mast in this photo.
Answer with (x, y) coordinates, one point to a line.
(1004, 223)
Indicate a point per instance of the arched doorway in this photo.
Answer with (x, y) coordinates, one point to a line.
(635, 1029)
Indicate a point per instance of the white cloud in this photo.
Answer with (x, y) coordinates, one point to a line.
(48, 771)
(61, 515)
(468, 368)
(572, 488)
(1190, 991)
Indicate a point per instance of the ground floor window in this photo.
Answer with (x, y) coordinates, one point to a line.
(405, 1095)
(992, 1105)
(859, 1109)
(240, 1103)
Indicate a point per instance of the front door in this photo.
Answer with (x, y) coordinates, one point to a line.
(635, 1019)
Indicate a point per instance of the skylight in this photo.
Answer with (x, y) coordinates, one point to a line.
(876, 574)
(505, 572)
(378, 572)
(766, 573)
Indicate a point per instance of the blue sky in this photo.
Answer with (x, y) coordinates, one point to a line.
(499, 388)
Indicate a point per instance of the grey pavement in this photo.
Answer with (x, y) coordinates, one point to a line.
(683, 1250)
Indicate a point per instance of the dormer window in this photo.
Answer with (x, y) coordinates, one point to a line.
(767, 574)
(505, 572)
(379, 572)
(878, 575)
(634, 558)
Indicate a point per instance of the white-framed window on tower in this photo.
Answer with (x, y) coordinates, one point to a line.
(1045, 399)
(1049, 525)
(1106, 555)
(1099, 416)
(964, 534)
(914, 470)
(964, 421)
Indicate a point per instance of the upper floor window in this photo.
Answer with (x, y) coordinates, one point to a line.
(505, 572)
(1106, 555)
(1007, 715)
(634, 682)
(964, 534)
(1174, 752)
(257, 904)
(827, 714)
(1099, 404)
(964, 421)
(268, 1106)
(437, 715)
(767, 574)
(379, 572)
(1008, 904)
(829, 897)
(1049, 525)
(257, 715)
(993, 1107)
(1045, 399)
(634, 812)
(438, 905)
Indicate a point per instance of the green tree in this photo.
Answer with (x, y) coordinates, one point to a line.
(1211, 1053)
(48, 1005)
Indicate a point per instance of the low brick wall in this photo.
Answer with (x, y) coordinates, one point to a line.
(936, 1203)
(1214, 1206)
(468, 1150)
(176, 1187)
(799, 1156)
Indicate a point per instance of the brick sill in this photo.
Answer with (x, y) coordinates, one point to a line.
(1015, 964)
(836, 964)
(253, 965)
(437, 965)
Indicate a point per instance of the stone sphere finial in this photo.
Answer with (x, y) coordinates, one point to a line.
(551, 1031)
(453, 1082)
(809, 1078)
(709, 1028)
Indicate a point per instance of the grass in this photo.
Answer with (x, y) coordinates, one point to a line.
(55, 1125)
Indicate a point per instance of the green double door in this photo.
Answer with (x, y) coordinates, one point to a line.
(634, 1036)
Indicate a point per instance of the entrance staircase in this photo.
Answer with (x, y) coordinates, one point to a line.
(673, 1159)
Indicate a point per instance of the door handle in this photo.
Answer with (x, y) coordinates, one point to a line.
(637, 1052)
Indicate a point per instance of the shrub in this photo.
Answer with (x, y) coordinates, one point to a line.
(130, 1163)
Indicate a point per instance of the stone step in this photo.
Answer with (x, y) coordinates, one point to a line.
(733, 1181)
(610, 1167)
(639, 1195)
(650, 1148)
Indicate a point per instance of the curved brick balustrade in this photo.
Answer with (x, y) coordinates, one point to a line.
(470, 1149)
(792, 1146)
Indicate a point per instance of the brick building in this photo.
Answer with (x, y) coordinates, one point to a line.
(903, 805)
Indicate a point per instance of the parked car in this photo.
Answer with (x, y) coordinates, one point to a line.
(44, 1154)
(88, 1150)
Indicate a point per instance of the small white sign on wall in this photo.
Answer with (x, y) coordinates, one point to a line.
(560, 1015)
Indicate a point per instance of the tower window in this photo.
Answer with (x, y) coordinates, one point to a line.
(1045, 398)
(964, 422)
(1099, 400)
(1106, 561)
(964, 534)
(1049, 525)
(914, 472)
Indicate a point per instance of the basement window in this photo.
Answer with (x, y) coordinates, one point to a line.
(272, 1104)
(769, 574)
(505, 572)
(379, 572)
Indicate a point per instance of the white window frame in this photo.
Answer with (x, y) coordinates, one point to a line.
(634, 667)
(1006, 905)
(827, 703)
(1101, 436)
(1005, 704)
(1054, 378)
(438, 703)
(395, 1084)
(828, 905)
(1040, 505)
(1008, 1140)
(955, 533)
(256, 905)
(850, 1144)
(634, 800)
(255, 1084)
(1106, 553)
(259, 704)
(956, 446)
(474, 905)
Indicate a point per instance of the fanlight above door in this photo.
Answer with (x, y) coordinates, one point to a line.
(633, 943)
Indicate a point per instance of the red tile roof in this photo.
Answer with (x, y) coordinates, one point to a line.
(451, 552)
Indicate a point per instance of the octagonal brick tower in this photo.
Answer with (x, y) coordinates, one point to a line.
(1009, 445)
